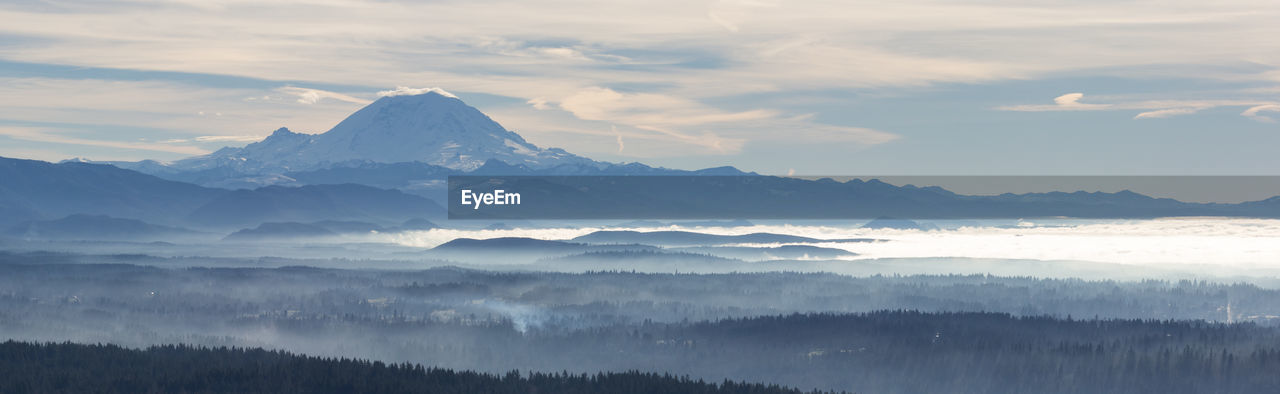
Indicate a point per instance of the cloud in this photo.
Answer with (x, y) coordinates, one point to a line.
(562, 52)
(44, 135)
(904, 43)
(1165, 113)
(689, 122)
(173, 112)
(181, 109)
(660, 114)
(597, 103)
(39, 154)
(1068, 99)
(1255, 112)
(228, 138)
(518, 51)
(711, 142)
(406, 91)
(538, 103)
(730, 26)
(621, 146)
(1066, 102)
(312, 96)
(1151, 109)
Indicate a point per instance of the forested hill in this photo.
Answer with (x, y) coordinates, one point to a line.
(76, 368)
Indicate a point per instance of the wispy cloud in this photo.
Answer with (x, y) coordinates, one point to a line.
(542, 48)
(312, 96)
(1072, 101)
(229, 138)
(1165, 113)
(635, 109)
(1066, 102)
(727, 25)
(381, 43)
(43, 135)
(718, 131)
(1256, 112)
(621, 145)
(174, 111)
(538, 103)
(1151, 109)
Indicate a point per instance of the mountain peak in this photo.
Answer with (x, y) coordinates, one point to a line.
(428, 125)
(283, 132)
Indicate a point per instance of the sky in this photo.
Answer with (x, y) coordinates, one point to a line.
(995, 87)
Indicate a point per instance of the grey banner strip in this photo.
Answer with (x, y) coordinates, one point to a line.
(853, 197)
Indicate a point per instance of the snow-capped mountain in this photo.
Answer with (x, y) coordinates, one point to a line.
(433, 127)
(408, 142)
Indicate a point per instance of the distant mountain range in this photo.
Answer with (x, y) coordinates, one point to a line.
(387, 163)
(97, 227)
(345, 202)
(38, 191)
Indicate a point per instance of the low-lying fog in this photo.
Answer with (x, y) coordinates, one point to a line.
(1224, 246)
(1225, 249)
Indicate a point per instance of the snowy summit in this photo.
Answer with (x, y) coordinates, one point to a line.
(426, 125)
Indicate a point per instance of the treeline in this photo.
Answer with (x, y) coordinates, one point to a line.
(76, 368)
(799, 330)
(915, 352)
(877, 352)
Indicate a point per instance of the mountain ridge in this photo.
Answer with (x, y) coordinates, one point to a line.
(35, 190)
(32, 190)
